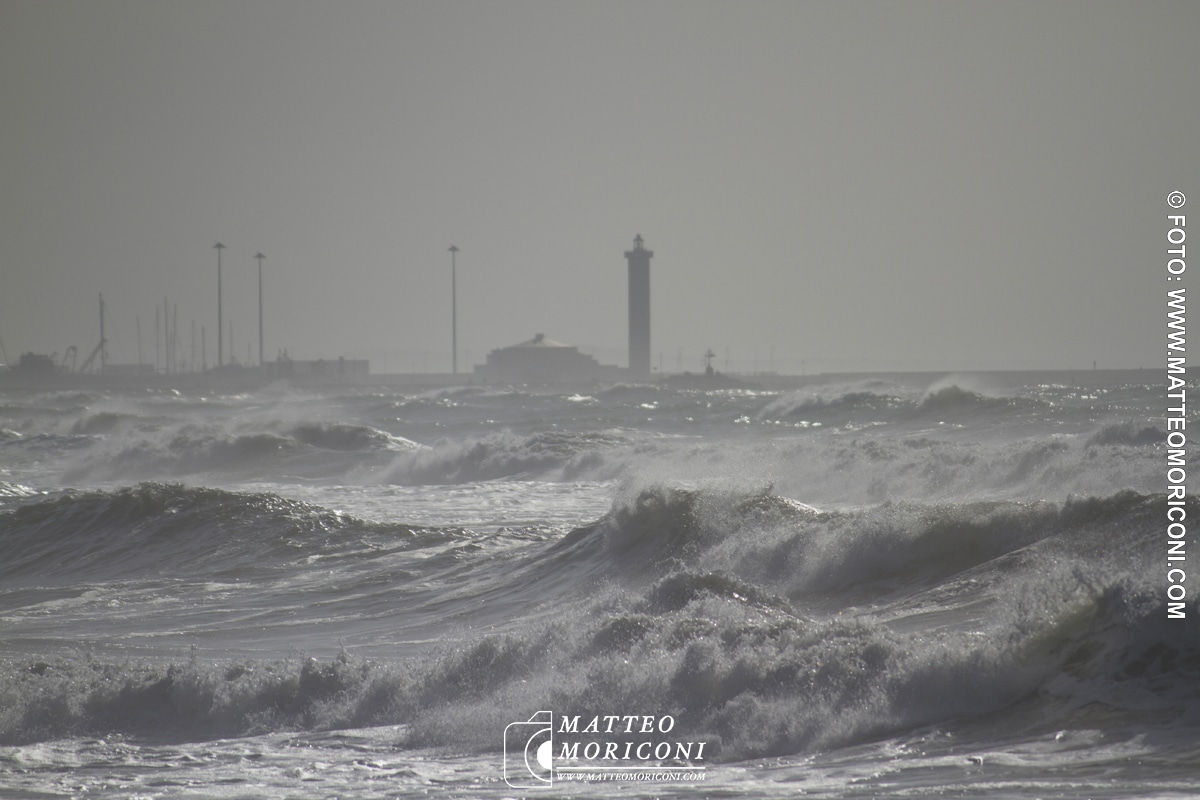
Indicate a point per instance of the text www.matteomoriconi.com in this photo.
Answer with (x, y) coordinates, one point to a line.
(1176, 410)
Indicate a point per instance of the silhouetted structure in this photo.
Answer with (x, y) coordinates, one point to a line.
(453, 310)
(35, 365)
(639, 307)
(220, 311)
(320, 371)
(260, 258)
(542, 360)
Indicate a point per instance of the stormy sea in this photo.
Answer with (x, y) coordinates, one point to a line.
(850, 588)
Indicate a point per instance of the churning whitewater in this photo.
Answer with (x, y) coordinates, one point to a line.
(846, 589)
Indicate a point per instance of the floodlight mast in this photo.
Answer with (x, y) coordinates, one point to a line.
(260, 258)
(453, 309)
(220, 312)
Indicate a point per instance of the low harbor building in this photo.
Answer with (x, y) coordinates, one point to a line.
(542, 360)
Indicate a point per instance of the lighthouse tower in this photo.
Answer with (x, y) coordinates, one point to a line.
(639, 307)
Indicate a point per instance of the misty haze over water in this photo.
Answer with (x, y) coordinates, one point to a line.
(858, 491)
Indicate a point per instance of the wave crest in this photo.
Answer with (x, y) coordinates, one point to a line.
(508, 455)
(1128, 434)
(712, 645)
(342, 436)
(156, 528)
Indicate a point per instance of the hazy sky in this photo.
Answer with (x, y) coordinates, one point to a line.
(854, 185)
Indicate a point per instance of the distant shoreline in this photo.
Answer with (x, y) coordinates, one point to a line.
(251, 379)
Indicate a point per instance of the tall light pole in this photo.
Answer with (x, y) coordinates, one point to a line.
(220, 316)
(453, 310)
(260, 258)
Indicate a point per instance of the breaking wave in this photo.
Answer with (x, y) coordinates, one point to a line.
(340, 436)
(881, 402)
(101, 422)
(185, 452)
(732, 612)
(828, 400)
(560, 454)
(156, 529)
(1128, 434)
(277, 448)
